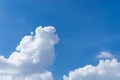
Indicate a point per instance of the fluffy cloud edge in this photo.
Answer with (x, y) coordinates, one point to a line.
(31, 57)
(106, 69)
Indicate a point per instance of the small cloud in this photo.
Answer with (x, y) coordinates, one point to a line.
(105, 55)
(32, 33)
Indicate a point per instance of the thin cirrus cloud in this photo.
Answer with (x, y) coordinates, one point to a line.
(107, 69)
(34, 53)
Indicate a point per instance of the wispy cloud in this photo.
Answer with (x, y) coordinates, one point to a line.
(106, 54)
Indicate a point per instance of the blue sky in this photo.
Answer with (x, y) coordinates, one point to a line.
(85, 28)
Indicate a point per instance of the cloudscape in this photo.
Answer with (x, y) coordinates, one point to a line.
(36, 51)
(59, 39)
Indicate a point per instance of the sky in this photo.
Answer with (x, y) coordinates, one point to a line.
(73, 34)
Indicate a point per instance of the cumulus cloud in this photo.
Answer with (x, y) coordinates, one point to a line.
(105, 70)
(31, 57)
(106, 54)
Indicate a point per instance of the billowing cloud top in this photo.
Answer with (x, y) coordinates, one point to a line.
(34, 53)
(108, 69)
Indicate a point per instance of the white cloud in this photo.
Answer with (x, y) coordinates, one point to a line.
(105, 70)
(34, 53)
(104, 55)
